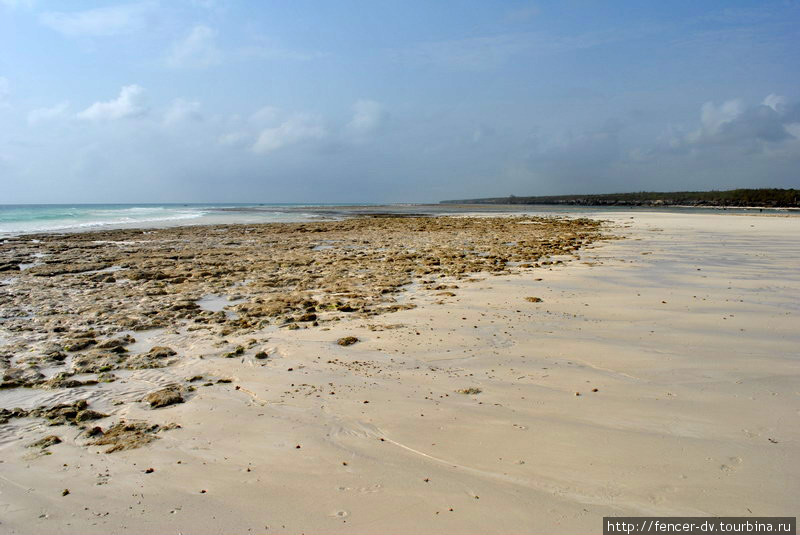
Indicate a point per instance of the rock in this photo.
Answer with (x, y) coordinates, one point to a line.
(235, 353)
(146, 361)
(185, 305)
(106, 377)
(14, 377)
(534, 299)
(347, 341)
(63, 380)
(56, 357)
(58, 415)
(164, 397)
(129, 435)
(46, 442)
(116, 344)
(261, 355)
(88, 414)
(78, 344)
(161, 352)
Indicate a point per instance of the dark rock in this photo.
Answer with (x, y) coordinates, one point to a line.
(88, 414)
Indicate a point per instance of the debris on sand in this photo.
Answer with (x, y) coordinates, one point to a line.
(534, 299)
(470, 391)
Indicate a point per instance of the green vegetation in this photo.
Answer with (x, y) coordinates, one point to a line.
(772, 197)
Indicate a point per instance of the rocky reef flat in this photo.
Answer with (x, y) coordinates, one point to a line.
(79, 311)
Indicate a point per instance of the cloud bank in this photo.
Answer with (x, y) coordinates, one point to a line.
(129, 103)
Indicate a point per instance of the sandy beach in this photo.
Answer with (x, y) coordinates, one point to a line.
(505, 374)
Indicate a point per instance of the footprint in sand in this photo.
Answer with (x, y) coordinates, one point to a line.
(732, 465)
(362, 490)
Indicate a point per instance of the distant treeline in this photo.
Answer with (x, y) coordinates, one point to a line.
(773, 198)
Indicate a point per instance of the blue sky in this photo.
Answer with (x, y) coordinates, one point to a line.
(213, 100)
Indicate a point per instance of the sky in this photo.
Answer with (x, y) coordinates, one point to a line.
(401, 101)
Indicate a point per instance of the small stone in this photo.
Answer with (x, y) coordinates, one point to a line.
(65, 492)
(164, 397)
(347, 341)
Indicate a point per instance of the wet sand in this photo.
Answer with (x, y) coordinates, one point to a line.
(654, 375)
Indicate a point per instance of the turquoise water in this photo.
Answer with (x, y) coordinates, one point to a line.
(31, 218)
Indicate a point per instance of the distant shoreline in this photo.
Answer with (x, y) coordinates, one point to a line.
(737, 198)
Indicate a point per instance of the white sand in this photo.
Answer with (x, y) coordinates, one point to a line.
(688, 329)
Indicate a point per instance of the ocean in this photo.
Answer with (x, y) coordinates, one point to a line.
(18, 219)
(35, 218)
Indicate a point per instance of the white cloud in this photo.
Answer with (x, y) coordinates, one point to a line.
(48, 114)
(297, 128)
(235, 139)
(182, 110)
(794, 130)
(713, 117)
(736, 126)
(265, 116)
(367, 116)
(481, 133)
(99, 22)
(776, 102)
(198, 49)
(129, 103)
